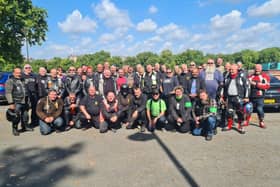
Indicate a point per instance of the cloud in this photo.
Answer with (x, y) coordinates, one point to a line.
(153, 9)
(106, 38)
(147, 25)
(245, 35)
(111, 15)
(75, 23)
(227, 23)
(268, 9)
(129, 38)
(172, 32)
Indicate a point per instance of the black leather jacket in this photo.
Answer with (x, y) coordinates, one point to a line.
(42, 83)
(30, 84)
(73, 84)
(57, 85)
(15, 91)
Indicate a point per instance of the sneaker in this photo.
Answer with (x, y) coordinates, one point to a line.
(208, 137)
(241, 130)
(113, 130)
(226, 128)
(262, 125)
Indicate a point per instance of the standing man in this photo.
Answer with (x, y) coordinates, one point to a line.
(219, 65)
(213, 78)
(259, 82)
(49, 111)
(31, 90)
(73, 82)
(169, 82)
(56, 83)
(18, 101)
(194, 85)
(235, 93)
(42, 82)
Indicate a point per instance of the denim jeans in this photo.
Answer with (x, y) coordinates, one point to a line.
(258, 104)
(46, 128)
(209, 125)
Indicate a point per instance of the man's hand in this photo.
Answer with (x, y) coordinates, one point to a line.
(253, 83)
(135, 114)
(48, 119)
(114, 119)
(72, 105)
(12, 107)
(71, 123)
(197, 120)
(154, 121)
(179, 120)
(88, 117)
(193, 95)
(246, 100)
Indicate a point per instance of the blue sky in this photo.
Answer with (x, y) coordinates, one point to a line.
(126, 28)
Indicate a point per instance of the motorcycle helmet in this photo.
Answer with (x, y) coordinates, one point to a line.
(12, 116)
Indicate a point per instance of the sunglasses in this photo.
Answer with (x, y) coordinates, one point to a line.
(71, 69)
(210, 63)
(27, 68)
(155, 93)
(169, 72)
(192, 64)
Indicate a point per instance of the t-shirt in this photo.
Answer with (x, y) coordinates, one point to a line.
(156, 107)
(92, 104)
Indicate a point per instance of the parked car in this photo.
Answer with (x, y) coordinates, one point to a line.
(3, 78)
(272, 95)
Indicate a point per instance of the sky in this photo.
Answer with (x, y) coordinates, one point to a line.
(129, 27)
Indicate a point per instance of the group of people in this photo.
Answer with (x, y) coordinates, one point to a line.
(191, 98)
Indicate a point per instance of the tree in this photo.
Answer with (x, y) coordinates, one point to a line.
(166, 57)
(269, 55)
(142, 58)
(20, 22)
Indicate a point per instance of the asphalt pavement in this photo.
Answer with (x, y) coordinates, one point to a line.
(129, 158)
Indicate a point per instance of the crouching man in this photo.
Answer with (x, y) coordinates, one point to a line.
(49, 110)
(110, 113)
(72, 112)
(138, 114)
(90, 107)
(205, 111)
(180, 111)
(155, 108)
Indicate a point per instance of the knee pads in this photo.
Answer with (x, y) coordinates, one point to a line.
(230, 113)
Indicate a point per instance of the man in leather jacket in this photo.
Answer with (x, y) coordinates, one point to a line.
(138, 112)
(31, 90)
(73, 83)
(18, 100)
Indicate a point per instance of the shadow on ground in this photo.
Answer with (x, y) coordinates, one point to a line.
(38, 166)
(181, 169)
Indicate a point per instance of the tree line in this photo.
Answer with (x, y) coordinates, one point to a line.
(247, 57)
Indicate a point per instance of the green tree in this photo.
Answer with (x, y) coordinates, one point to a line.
(142, 58)
(269, 55)
(166, 57)
(20, 21)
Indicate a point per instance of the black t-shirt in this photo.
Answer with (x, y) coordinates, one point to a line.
(92, 104)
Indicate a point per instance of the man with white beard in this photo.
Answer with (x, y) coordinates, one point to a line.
(213, 78)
